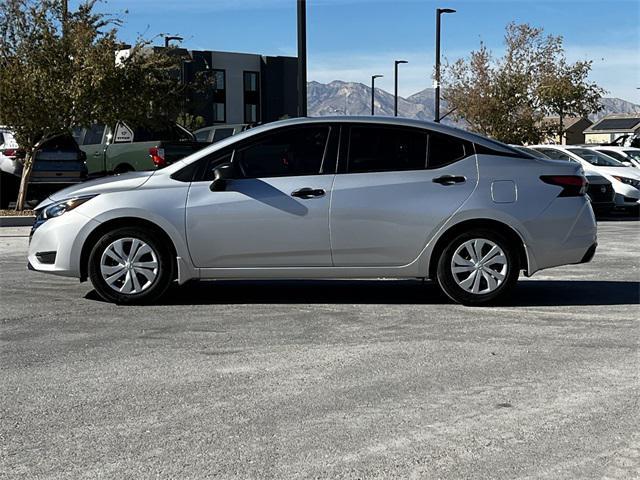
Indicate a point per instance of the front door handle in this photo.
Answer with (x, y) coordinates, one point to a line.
(308, 192)
(449, 179)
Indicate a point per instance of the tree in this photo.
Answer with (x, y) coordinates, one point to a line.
(507, 98)
(59, 69)
(565, 91)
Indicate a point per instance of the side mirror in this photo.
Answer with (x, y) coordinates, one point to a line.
(220, 177)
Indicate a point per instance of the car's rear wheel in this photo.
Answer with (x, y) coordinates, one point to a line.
(478, 267)
(129, 265)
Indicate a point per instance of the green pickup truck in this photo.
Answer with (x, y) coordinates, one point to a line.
(124, 148)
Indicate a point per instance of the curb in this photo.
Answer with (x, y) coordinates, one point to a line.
(17, 221)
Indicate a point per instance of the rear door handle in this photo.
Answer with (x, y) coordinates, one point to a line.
(308, 192)
(449, 179)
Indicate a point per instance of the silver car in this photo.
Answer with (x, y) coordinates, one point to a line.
(347, 197)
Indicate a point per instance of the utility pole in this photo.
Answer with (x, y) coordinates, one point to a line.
(373, 92)
(65, 16)
(439, 12)
(395, 96)
(302, 58)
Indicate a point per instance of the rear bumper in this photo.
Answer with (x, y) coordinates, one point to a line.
(588, 256)
(566, 233)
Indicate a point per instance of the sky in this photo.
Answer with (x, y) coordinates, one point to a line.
(353, 39)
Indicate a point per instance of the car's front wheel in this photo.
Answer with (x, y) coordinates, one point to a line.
(130, 265)
(478, 267)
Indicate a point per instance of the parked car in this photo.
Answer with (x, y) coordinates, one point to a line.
(124, 149)
(625, 180)
(341, 197)
(215, 133)
(599, 190)
(58, 163)
(8, 151)
(627, 155)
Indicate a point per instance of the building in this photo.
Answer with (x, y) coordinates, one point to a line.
(572, 129)
(612, 127)
(248, 88)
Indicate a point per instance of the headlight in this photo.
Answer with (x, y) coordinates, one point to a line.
(629, 181)
(58, 208)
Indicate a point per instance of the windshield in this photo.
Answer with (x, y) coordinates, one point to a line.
(595, 158)
(635, 154)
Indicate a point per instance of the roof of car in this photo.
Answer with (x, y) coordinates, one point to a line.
(613, 147)
(399, 121)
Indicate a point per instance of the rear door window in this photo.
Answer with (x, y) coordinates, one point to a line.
(618, 156)
(379, 149)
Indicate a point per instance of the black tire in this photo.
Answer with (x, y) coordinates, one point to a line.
(123, 168)
(164, 274)
(453, 290)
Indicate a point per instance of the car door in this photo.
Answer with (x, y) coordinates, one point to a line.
(93, 145)
(274, 212)
(395, 186)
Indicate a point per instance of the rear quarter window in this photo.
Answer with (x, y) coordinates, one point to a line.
(445, 150)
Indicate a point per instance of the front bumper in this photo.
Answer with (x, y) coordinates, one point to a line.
(65, 235)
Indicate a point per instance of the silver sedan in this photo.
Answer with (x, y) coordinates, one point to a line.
(347, 197)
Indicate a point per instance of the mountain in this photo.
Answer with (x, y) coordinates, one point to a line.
(615, 105)
(352, 98)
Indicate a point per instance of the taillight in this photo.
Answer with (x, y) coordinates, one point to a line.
(10, 152)
(572, 185)
(157, 157)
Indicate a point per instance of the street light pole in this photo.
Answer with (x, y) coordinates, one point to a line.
(395, 101)
(302, 58)
(439, 12)
(373, 92)
(168, 38)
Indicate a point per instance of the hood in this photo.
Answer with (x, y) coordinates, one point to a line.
(629, 172)
(596, 179)
(115, 183)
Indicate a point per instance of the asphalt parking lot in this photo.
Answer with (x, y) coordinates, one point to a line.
(324, 379)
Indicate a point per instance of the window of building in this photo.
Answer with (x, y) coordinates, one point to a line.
(378, 149)
(445, 149)
(251, 97)
(219, 96)
(290, 152)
